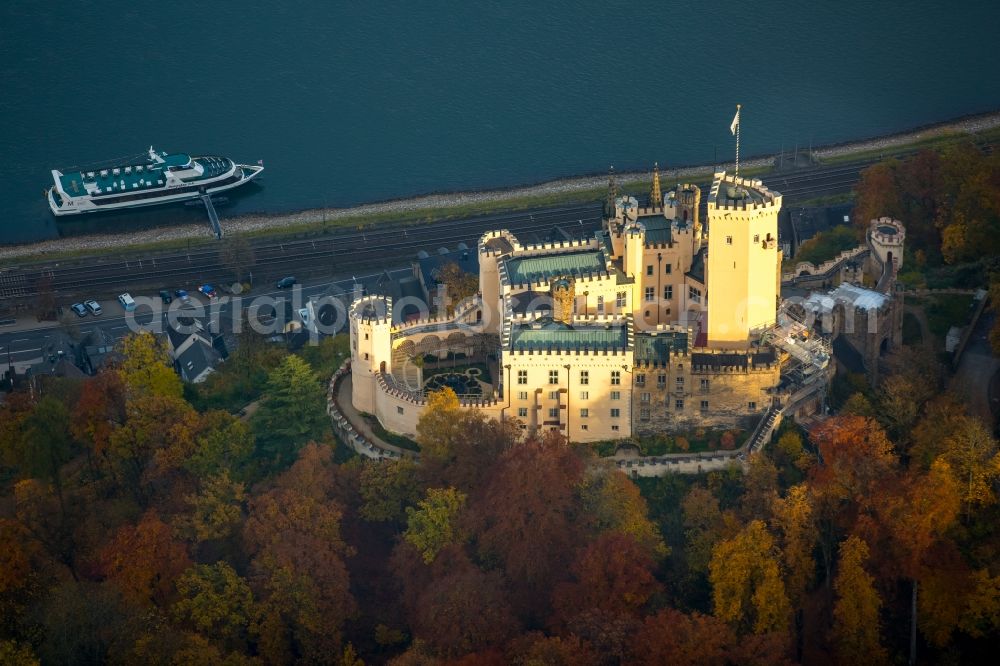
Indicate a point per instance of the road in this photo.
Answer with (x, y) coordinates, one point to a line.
(26, 346)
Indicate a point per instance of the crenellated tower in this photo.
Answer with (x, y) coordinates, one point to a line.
(743, 259)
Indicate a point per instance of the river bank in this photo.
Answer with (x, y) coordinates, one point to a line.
(438, 205)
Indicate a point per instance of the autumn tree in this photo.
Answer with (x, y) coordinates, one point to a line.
(614, 503)
(215, 512)
(223, 443)
(613, 575)
(704, 526)
(526, 517)
(856, 611)
(463, 610)
(292, 413)
(433, 524)
(747, 588)
(97, 413)
(437, 430)
(297, 569)
(458, 284)
(877, 195)
(145, 367)
(388, 487)
(144, 560)
(215, 601)
(673, 637)
(972, 456)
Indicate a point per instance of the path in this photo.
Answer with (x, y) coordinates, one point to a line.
(977, 369)
(342, 402)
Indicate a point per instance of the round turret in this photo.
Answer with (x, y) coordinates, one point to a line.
(886, 236)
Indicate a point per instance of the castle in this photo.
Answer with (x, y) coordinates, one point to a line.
(651, 325)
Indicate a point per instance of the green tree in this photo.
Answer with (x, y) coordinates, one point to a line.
(223, 443)
(215, 601)
(433, 524)
(856, 612)
(293, 412)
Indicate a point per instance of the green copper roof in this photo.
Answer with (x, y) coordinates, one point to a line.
(657, 229)
(657, 348)
(546, 267)
(559, 336)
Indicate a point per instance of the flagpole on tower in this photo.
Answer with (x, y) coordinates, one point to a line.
(738, 140)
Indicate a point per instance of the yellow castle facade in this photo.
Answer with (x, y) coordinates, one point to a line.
(651, 325)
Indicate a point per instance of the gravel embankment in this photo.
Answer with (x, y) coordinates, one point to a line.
(258, 222)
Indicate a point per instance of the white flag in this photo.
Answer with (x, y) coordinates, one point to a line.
(735, 123)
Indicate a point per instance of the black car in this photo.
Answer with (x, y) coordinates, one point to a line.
(165, 296)
(285, 283)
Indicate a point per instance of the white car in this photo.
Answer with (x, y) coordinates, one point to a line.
(94, 307)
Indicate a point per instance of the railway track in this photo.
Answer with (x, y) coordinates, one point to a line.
(355, 249)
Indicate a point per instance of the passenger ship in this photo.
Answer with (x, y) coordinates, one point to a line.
(163, 178)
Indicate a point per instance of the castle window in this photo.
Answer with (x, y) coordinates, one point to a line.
(644, 397)
(704, 384)
(584, 413)
(553, 395)
(366, 356)
(522, 376)
(399, 410)
(679, 382)
(650, 294)
(668, 292)
(667, 267)
(553, 412)
(694, 295)
(616, 377)
(680, 366)
(522, 395)
(366, 336)
(615, 412)
(661, 381)
(620, 299)
(679, 405)
(704, 405)
(644, 414)
(752, 406)
(553, 376)
(600, 305)
(729, 240)
(616, 395)
(649, 269)
(522, 412)
(584, 377)
(583, 427)
(756, 238)
(640, 380)
(614, 427)
(584, 395)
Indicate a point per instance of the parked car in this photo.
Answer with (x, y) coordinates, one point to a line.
(208, 290)
(79, 308)
(165, 296)
(183, 296)
(285, 282)
(94, 307)
(127, 302)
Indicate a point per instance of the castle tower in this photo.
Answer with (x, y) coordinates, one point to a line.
(563, 293)
(655, 198)
(371, 347)
(743, 259)
(886, 236)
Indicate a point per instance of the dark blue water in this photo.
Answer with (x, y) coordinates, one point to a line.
(353, 102)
